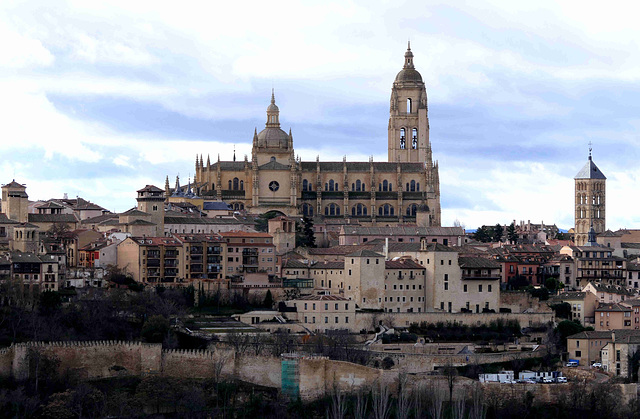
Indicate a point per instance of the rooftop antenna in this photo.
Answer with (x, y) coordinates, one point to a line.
(590, 148)
(234, 152)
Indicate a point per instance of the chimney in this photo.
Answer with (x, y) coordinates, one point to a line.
(386, 248)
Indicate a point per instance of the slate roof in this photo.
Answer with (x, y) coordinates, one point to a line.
(99, 219)
(6, 220)
(52, 218)
(150, 188)
(50, 205)
(478, 262)
(274, 165)
(216, 206)
(365, 253)
(364, 167)
(141, 223)
(295, 264)
(323, 298)
(590, 171)
(592, 334)
(328, 265)
(136, 212)
(229, 165)
(350, 230)
(20, 257)
(572, 295)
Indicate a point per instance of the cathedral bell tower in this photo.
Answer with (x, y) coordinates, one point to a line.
(408, 119)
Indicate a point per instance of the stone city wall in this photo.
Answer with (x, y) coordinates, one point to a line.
(366, 320)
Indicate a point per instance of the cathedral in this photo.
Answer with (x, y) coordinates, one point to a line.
(274, 179)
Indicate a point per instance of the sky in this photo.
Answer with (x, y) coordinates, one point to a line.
(101, 98)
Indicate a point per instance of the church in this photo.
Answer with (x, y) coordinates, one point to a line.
(391, 192)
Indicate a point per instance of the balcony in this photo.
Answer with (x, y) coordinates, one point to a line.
(489, 277)
(196, 268)
(412, 195)
(153, 262)
(196, 250)
(249, 252)
(333, 195)
(359, 195)
(214, 250)
(153, 254)
(214, 259)
(196, 258)
(309, 195)
(170, 254)
(232, 195)
(171, 263)
(386, 195)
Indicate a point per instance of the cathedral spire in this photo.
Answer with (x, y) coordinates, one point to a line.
(273, 113)
(234, 152)
(408, 57)
(208, 161)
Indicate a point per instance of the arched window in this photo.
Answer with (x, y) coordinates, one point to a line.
(305, 185)
(385, 185)
(230, 185)
(331, 186)
(385, 210)
(242, 185)
(412, 186)
(359, 210)
(414, 138)
(235, 183)
(332, 209)
(409, 105)
(417, 186)
(403, 136)
(411, 210)
(213, 186)
(307, 210)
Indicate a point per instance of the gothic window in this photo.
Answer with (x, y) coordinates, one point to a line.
(385, 210)
(307, 210)
(403, 137)
(414, 138)
(213, 186)
(412, 186)
(242, 185)
(409, 105)
(598, 199)
(306, 185)
(417, 186)
(230, 185)
(358, 186)
(332, 209)
(235, 183)
(331, 186)
(411, 210)
(359, 210)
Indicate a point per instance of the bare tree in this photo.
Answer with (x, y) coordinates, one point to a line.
(219, 361)
(404, 398)
(381, 402)
(338, 407)
(239, 341)
(360, 408)
(436, 399)
(450, 373)
(478, 408)
(458, 409)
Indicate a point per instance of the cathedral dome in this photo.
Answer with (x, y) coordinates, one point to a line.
(273, 137)
(409, 74)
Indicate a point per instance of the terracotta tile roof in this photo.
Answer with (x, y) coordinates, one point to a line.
(245, 234)
(478, 262)
(150, 188)
(612, 307)
(402, 264)
(365, 253)
(156, 241)
(199, 237)
(53, 218)
(328, 265)
(592, 334)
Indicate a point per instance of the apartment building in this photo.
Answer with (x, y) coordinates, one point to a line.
(320, 313)
(37, 272)
(249, 252)
(204, 255)
(152, 260)
(610, 316)
(404, 286)
(585, 346)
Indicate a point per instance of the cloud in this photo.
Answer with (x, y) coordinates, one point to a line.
(108, 97)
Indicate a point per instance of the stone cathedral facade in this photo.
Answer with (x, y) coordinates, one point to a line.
(274, 179)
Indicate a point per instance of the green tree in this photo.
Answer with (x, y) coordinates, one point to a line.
(562, 310)
(268, 300)
(155, 329)
(512, 236)
(482, 234)
(498, 232)
(304, 233)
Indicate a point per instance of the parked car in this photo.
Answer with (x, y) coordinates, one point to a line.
(547, 380)
(572, 364)
(596, 365)
(561, 379)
